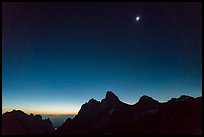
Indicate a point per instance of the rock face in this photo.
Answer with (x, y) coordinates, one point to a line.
(111, 116)
(17, 122)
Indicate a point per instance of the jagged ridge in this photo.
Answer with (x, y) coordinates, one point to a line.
(147, 116)
(17, 122)
(111, 116)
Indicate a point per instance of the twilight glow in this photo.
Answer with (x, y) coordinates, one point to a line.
(57, 56)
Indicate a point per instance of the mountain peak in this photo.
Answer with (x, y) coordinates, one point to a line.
(110, 101)
(184, 97)
(92, 101)
(181, 98)
(18, 111)
(17, 122)
(146, 99)
(111, 96)
(15, 112)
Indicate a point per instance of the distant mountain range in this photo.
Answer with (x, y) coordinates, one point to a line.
(17, 122)
(110, 116)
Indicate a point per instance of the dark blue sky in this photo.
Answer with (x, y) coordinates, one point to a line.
(56, 56)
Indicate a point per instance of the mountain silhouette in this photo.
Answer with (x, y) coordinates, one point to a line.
(110, 116)
(17, 122)
(148, 116)
(145, 100)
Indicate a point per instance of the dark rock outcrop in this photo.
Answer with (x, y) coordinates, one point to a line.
(181, 115)
(17, 122)
(110, 116)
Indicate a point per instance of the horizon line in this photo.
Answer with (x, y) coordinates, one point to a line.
(36, 113)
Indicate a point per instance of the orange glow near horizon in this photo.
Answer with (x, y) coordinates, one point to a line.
(53, 113)
(41, 112)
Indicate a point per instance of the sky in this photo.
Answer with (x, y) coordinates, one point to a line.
(57, 56)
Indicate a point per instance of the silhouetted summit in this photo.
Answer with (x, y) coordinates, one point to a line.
(110, 116)
(109, 102)
(147, 100)
(17, 122)
(147, 116)
(146, 103)
(89, 109)
(181, 98)
(110, 96)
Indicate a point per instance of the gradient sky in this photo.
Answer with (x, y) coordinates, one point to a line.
(57, 56)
